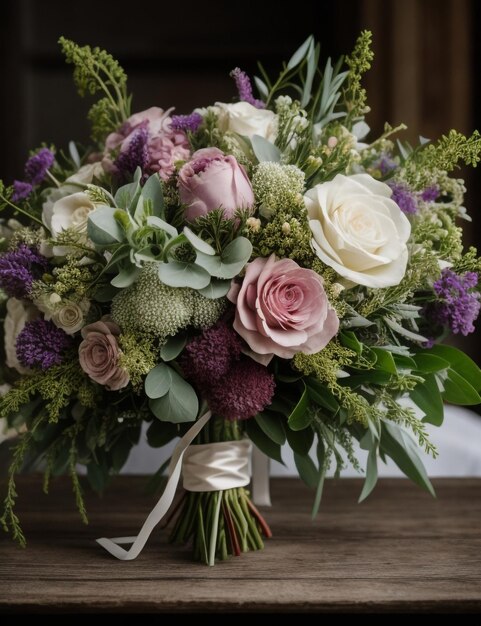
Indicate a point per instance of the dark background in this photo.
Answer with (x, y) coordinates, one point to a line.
(425, 72)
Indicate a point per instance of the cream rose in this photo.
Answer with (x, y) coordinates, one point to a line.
(70, 316)
(245, 119)
(18, 314)
(71, 212)
(358, 230)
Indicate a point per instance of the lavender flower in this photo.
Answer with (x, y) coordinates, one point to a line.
(41, 344)
(244, 88)
(21, 190)
(430, 194)
(404, 197)
(385, 164)
(457, 305)
(19, 268)
(135, 153)
(186, 123)
(37, 165)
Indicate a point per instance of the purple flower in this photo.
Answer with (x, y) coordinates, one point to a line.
(37, 165)
(19, 268)
(244, 88)
(457, 305)
(21, 190)
(41, 344)
(135, 153)
(430, 194)
(209, 356)
(186, 123)
(385, 164)
(404, 197)
(245, 390)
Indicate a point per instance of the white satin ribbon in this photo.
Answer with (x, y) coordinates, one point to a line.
(216, 466)
(162, 506)
(206, 467)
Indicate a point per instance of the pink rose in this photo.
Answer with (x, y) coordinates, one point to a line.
(150, 135)
(99, 355)
(282, 309)
(213, 180)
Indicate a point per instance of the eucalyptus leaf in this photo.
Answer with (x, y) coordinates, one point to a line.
(179, 404)
(158, 381)
(198, 243)
(152, 190)
(126, 277)
(233, 259)
(217, 288)
(102, 227)
(173, 347)
(182, 274)
(127, 196)
(157, 222)
(265, 150)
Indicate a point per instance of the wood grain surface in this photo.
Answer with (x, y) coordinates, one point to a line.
(401, 550)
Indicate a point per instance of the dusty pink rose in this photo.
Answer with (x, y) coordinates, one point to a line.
(213, 180)
(99, 355)
(148, 140)
(282, 309)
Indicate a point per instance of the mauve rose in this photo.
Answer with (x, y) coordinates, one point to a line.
(99, 355)
(213, 180)
(282, 309)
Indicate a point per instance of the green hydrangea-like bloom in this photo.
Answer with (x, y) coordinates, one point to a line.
(277, 186)
(150, 308)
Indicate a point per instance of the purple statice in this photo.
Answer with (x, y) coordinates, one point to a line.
(19, 268)
(244, 87)
(21, 190)
(385, 164)
(209, 356)
(37, 165)
(42, 344)
(404, 197)
(245, 390)
(186, 123)
(134, 153)
(430, 194)
(457, 305)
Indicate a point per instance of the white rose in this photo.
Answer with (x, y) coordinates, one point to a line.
(70, 316)
(71, 212)
(18, 314)
(358, 230)
(86, 174)
(243, 118)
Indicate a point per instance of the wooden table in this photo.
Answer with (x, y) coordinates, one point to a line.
(401, 550)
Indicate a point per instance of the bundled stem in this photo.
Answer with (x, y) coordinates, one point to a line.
(219, 524)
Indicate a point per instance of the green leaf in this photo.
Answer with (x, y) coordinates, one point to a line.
(102, 227)
(179, 404)
(300, 417)
(158, 381)
(261, 87)
(217, 288)
(160, 433)
(300, 53)
(265, 150)
(300, 440)
(159, 223)
(152, 190)
(273, 426)
(321, 459)
(232, 260)
(384, 361)
(404, 363)
(371, 474)
(307, 470)
(174, 346)
(181, 274)
(127, 196)
(312, 59)
(98, 476)
(428, 398)
(398, 445)
(460, 363)
(375, 377)
(429, 363)
(126, 277)
(458, 390)
(105, 293)
(349, 340)
(262, 441)
(198, 243)
(321, 395)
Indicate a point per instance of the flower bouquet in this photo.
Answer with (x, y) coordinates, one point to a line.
(250, 274)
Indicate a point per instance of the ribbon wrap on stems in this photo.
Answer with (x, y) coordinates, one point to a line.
(206, 467)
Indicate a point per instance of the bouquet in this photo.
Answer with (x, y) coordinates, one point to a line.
(249, 274)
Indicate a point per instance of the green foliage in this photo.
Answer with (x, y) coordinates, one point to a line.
(97, 71)
(138, 357)
(359, 62)
(172, 399)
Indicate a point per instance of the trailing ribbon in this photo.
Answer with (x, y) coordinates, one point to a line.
(206, 467)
